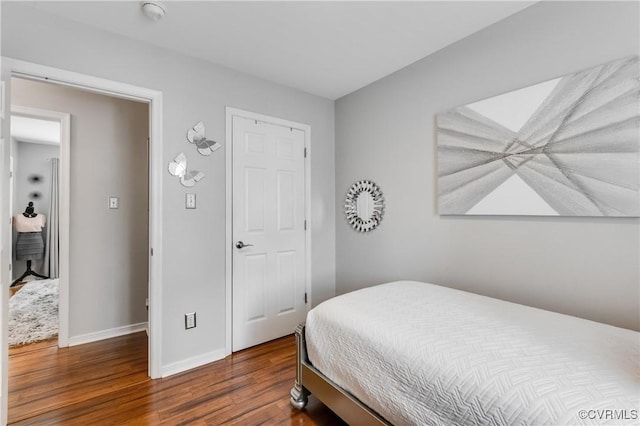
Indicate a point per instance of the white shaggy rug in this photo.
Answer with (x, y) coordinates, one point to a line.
(33, 312)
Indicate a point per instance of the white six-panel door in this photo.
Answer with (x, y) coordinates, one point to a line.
(269, 220)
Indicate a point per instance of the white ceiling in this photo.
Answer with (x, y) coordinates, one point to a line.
(325, 48)
(34, 130)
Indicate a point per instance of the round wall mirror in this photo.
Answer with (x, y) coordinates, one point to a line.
(364, 206)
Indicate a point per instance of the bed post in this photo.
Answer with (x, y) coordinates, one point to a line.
(299, 395)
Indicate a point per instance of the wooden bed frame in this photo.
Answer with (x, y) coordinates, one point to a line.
(311, 381)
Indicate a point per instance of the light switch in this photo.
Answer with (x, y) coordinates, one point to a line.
(114, 202)
(191, 201)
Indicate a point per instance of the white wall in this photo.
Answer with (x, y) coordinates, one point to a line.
(108, 272)
(385, 132)
(193, 90)
(32, 159)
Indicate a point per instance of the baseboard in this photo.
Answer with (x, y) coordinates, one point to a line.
(107, 334)
(189, 363)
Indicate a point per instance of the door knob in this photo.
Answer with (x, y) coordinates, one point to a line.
(240, 245)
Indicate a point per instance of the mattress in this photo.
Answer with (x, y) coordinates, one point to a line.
(421, 354)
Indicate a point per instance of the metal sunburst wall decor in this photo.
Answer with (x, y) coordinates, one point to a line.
(364, 206)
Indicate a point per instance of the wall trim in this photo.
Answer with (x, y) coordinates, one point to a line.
(5, 272)
(193, 362)
(230, 113)
(107, 334)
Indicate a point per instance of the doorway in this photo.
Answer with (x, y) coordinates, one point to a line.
(107, 280)
(268, 227)
(37, 138)
(153, 99)
(107, 232)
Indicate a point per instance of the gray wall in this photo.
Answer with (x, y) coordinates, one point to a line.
(30, 159)
(108, 247)
(586, 267)
(193, 90)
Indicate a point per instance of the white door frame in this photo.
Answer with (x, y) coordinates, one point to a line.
(65, 148)
(18, 68)
(231, 112)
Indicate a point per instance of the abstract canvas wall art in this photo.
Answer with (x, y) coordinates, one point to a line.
(568, 147)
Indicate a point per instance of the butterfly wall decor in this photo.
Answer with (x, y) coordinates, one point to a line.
(196, 136)
(178, 168)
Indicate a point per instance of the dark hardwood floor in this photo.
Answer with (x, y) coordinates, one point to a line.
(106, 383)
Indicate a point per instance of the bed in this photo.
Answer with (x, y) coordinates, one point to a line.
(412, 353)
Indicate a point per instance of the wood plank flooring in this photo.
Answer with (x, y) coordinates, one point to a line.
(106, 383)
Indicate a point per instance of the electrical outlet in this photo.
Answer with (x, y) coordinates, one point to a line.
(113, 202)
(190, 320)
(191, 200)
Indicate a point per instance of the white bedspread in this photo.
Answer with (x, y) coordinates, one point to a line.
(423, 354)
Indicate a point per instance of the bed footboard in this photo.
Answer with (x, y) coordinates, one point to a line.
(310, 380)
(299, 395)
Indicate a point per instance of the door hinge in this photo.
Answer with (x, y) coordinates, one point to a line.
(151, 251)
(305, 224)
(305, 152)
(11, 265)
(305, 297)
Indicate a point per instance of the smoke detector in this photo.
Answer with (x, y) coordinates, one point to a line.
(153, 10)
